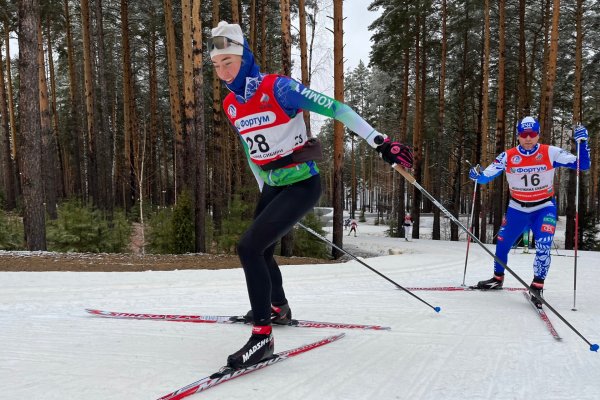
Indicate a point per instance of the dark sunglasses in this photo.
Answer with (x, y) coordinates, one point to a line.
(527, 133)
(221, 42)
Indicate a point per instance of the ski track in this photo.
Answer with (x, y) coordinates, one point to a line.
(483, 345)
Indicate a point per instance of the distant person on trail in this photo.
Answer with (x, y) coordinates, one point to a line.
(529, 171)
(266, 112)
(346, 224)
(526, 241)
(408, 225)
(353, 226)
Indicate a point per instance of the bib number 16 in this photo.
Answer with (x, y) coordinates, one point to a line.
(534, 180)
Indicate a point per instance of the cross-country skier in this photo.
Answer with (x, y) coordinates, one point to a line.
(408, 226)
(266, 111)
(529, 171)
(353, 226)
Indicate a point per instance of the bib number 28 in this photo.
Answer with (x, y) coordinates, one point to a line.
(257, 143)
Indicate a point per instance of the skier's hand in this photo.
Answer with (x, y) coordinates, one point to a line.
(474, 173)
(395, 153)
(580, 133)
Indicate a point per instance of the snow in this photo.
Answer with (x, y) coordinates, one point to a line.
(480, 346)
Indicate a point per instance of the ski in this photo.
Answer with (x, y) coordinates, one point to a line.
(228, 319)
(226, 374)
(543, 317)
(462, 288)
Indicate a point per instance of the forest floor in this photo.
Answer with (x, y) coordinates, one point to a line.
(92, 262)
(134, 261)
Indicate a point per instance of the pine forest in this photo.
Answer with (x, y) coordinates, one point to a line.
(111, 114)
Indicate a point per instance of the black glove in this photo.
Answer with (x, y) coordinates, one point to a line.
(395, 153)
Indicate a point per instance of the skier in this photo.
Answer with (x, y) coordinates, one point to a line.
(530, 174)
(526, 241)
(347, 223)
(353, 226)
(266, 111)
(408, 224)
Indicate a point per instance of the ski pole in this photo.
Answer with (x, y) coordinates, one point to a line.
(411, 179)
(312, 232)
(470, 225)
(576, 229)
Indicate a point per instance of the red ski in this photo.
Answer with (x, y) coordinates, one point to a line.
(225, 319)
(226, 374)
(461, 288)
(544, 318)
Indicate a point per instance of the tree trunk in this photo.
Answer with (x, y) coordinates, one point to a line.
(90, 176)
(500, 114)
(572, 187)
(48, 155)
(402, 204)
(417, 145)
(523, 108)
(29, 141)
(304, 58)
(59, 171)
(200, 164)
(76, 183)
(287, 241)
(547, 112)
(129, 118)
(252, 36)
(10, 98)
(437, 181)
(174, 96)
(485, 94)
(7, 162)
(104, 134)
(218, 200)
(263, 33)
(155, 121)
(188, 93)
(286, 38)
(338, 128)
(235, 12)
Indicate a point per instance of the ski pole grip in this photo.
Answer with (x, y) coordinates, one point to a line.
(411, 179)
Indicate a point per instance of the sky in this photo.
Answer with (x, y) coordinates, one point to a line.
(356, 34)
(482, 345)
(357, 40)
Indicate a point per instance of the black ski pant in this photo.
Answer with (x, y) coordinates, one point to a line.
(278, 210)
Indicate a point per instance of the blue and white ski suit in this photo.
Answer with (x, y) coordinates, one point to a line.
(530, 176)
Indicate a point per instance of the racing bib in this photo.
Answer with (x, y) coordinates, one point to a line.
(530, 177)
(265, 127)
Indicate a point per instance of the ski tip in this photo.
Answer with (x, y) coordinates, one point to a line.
(594, 347)
(437, 309)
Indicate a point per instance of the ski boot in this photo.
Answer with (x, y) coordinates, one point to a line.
(536, 289)
(259, 347)
(280, 315)
(495, 283)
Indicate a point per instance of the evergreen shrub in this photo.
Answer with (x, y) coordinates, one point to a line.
(82, 228)
(234, 224)
(306, 244)
(171, 231)
(11, 232)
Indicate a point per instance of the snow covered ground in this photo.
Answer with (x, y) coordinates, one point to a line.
(481, 346)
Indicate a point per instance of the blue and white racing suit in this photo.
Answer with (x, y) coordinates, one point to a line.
(530, 175)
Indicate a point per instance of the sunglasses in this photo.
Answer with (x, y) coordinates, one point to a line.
(222, 42)
(528, 133)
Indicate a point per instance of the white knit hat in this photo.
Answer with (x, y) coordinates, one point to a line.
(231, 31)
